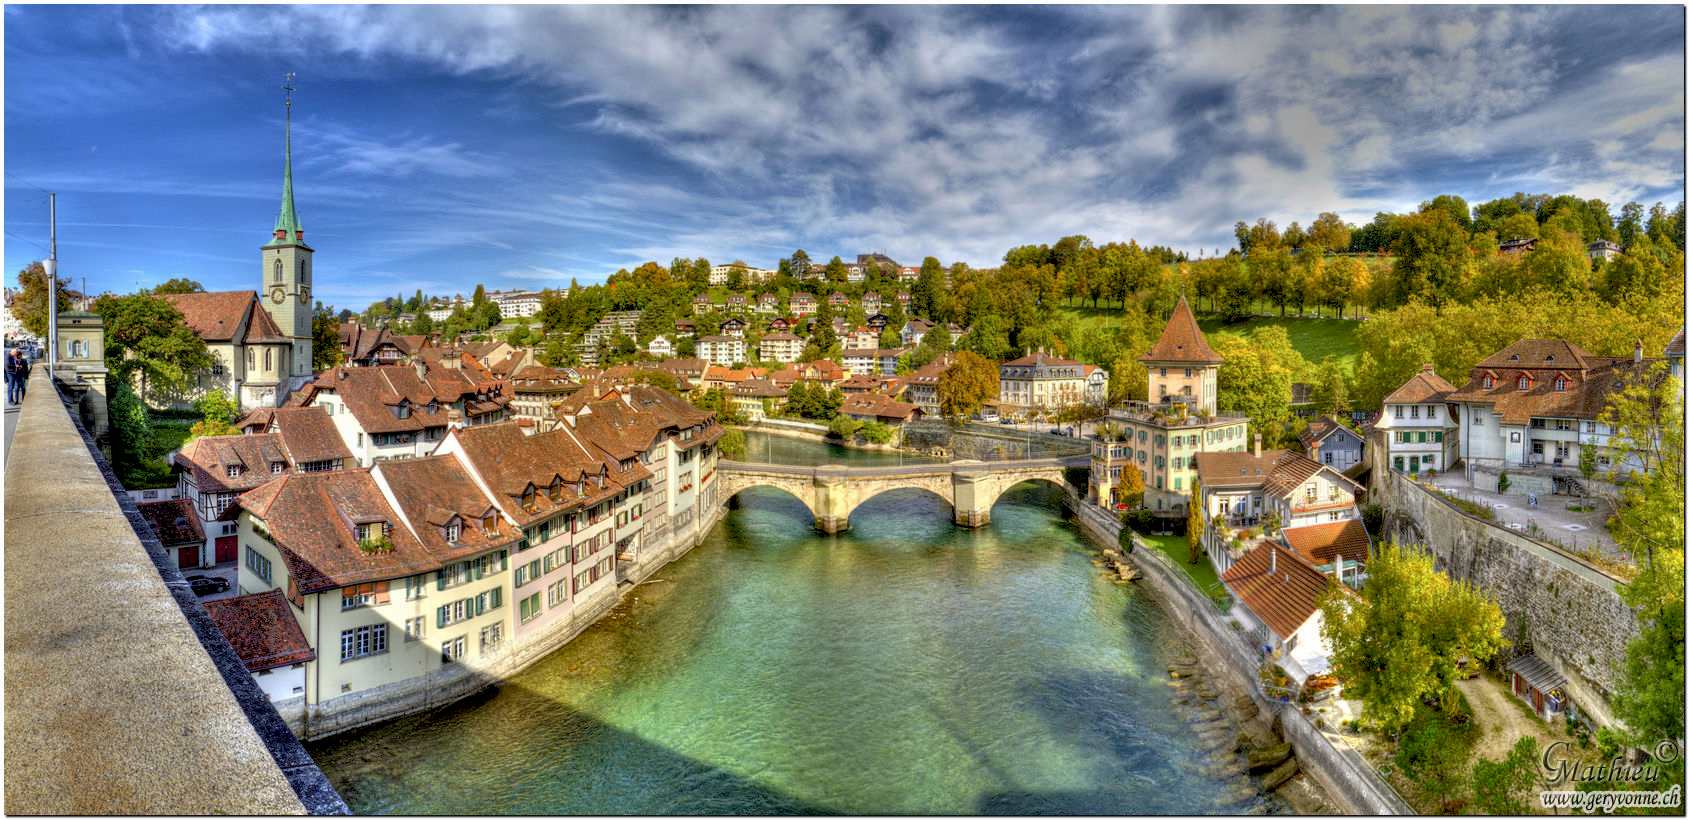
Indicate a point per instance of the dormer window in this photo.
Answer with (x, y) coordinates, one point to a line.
(1513, 358)
(528, 496)
(1560, 383)
(403, 410)
(275, 468)
(1549, 358)
(1489, 382)
(1524, 382)
(454, 531)
(234, 471)
(364, 531)
(556, 488)
(489, 525)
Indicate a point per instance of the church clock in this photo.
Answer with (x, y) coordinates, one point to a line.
(278, 294)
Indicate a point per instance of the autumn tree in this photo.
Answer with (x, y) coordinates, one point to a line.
(1258, 373)
(217, 415)
(1329, 231)
(148, 337)
(1131, 486)
(30, 305)
(1194, 523)
(965, 386)
(325, 337)
(1330, 388)
(1401, 639)
(1431, 258)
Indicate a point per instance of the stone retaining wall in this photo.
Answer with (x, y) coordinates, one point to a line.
(1343, 775)
(1567, 609)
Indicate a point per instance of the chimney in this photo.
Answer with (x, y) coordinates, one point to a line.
(1638, 354)
(1257, 445)
(421, 370)
(1427, 369)
(454, 418)
(597, 391)
(1273, 556)
(1314, 452)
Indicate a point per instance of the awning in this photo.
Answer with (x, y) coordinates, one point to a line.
(1538, 674)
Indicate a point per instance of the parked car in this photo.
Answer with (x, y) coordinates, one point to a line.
(207, 585)
(1057, 431)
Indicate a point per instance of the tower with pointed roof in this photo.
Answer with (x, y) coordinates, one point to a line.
(1183, 369)
(285, 276)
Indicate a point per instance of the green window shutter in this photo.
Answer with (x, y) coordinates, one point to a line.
(440, 582)
(504, 557)
(1439, 437)
(498, 597)
(441, 624)
(475, 566)
(480, 603)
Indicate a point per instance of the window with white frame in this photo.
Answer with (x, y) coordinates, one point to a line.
(414, 628)
(259, 565)
(491, 636)
(363, 641)
(452, 650)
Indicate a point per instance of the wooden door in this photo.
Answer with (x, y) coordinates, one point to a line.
(226, 550)
(187, 557)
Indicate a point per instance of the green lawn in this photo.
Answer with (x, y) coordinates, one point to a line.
(1178, 549)
(1313, 338)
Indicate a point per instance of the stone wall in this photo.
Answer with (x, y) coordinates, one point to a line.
(1566, 610)
(1341, 772)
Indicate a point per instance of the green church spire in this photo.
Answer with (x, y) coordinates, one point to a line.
(287, 222)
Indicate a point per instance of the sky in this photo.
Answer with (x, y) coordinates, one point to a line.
(436, 147)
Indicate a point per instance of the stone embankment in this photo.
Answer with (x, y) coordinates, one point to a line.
(1276, 749)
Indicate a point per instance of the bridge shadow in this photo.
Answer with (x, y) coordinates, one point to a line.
(511, 750)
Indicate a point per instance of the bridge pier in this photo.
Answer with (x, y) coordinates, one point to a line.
(970, 499)
(832, 524)
(972, 518)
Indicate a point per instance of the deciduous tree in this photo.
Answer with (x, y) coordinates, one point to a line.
(965, 386)
(147, 336)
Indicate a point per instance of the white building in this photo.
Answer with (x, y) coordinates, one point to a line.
(1420, 431)
(724, 351)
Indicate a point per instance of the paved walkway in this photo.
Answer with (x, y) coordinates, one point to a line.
(1577, 529)
(11, 427)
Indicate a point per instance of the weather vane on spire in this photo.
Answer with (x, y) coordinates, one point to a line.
(287, 85)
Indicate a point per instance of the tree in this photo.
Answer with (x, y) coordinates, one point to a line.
(518, 337)
(131, 430)
(1430, 754)
(1503, 787)
(965, 386)
(875, 432)
(30, 305)
(149, 337)
(732, 445)
(178, 285)
(217, 414)
(934, 344)
(1401, 639)
(1431, 257)
(1630, 223)
(325, 338)
(423, 325)
(844, 426)
(1454, 206)
(1330, 391)
(1194, 523)
(1258, 373)
(1329, 231)
(1131, 487)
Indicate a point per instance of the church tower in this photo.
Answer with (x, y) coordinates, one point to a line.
(285, 283)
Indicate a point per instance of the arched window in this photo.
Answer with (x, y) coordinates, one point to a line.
(249, 355)
(267, 364)
(304, 273)
(1560, 383)
(1524, 382)
(276, 277)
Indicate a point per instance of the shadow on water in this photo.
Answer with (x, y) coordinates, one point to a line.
(512, 750)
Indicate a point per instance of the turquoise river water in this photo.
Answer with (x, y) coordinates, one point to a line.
(906, 666)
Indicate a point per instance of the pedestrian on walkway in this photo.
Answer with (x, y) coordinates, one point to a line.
(14, 378)
(24, 366)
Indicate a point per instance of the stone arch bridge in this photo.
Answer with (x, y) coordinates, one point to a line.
(832, 493)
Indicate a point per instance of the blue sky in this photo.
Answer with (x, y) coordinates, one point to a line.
(440, 146)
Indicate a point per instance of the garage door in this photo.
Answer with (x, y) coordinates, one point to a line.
(226, 550)
(187, 557)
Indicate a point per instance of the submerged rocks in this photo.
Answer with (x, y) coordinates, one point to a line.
(1269, 758)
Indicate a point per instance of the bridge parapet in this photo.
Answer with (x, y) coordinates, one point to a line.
(832, 492)
(121, 701)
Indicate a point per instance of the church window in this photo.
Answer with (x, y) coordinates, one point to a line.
(302, 271)
(249, 364)
(266, 358)
(276, 277)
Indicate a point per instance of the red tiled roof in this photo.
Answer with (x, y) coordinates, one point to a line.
(208, 458)
(214, 317)
(1320, 544)
(1589, 381)
(173, 521)
(308, 434)
(1036, 359)
(311, 518)
(1675, 346)
(430, 492)
(1425, 386)
(874, 404)
(1284, 593)
(262, 629)
(262, 328)
(1182, 340)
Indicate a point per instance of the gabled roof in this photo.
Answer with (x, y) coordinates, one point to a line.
(1320, 544)
(310, 518)
(263, 329)
(1322, 428)
(1283, 592)
(1425, 386)
(208, 459)
(1277, 471)
(430, 491)
(173, 521)
(1674, 348)
(874, 404)
(262, 630)
(308, 434)
(1182, 340)
(1590, 379)
(215, 317)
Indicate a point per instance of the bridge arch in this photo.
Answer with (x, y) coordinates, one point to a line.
(940, 486)
(771, 485)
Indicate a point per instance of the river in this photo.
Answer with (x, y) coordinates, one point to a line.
(906, 666)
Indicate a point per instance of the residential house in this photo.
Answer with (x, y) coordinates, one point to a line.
(923, 384)
(176, 524)
(780, 347)
(701, 304)
(660, 347)
(768, 303)
(1041, 382)
(385, 413)
(908, 273)
(803, 304)
(1279, 595)
(1602, 249)
(903, 299)
(1516, 246)
(1333, 444)
(1674, 355)
(872, 302)
(686, 327)
(1532, 409)
(822, 372)
(264, 633)
(862, 338)
(534, 392)
(914, 331)
(877, 322)
(838, 300)
(780, 324)
(722, 350)
(736, 302)
(1096, 386)
(873, 361)
(1242, 488)
(1420, 427)
(875, 407)
(753, 398)
(733, 327)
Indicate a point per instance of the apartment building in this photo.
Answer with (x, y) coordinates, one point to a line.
(1420, 428)
(385, 413)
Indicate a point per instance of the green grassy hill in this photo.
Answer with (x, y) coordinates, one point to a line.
(1313, 338)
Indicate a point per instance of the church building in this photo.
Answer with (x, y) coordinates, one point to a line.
(261, 338)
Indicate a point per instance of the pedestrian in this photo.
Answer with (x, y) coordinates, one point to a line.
(24, 366)
(13, 377)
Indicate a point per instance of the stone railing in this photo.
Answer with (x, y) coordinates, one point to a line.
(122, 695)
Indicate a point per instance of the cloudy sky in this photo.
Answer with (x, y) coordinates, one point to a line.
(439, 146)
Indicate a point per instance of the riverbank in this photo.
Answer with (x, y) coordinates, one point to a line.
(817, 433)
(1337, 779)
